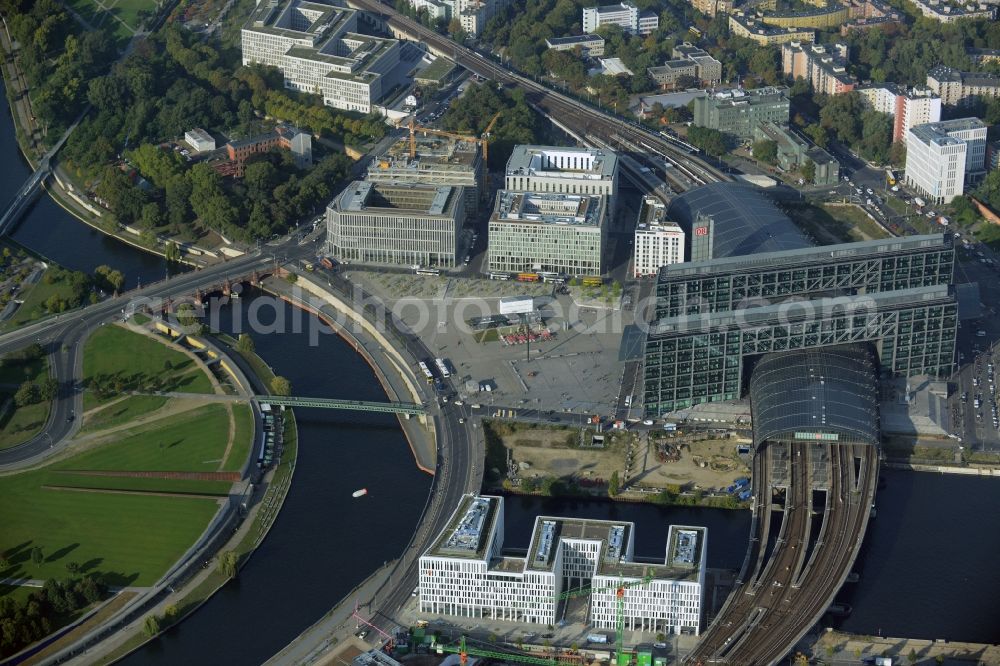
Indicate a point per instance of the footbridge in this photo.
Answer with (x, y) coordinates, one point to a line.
(406, 408)
(815, 471)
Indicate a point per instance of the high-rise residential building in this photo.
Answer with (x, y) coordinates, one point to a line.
(738, 111)
(625, 15)
(962, 88)
(548, 231)
(825, 69)
(688, 60)
(908, 107)
(658, 241)
(940, 156)
(749, 27)
(563, 169)
(466, 574)
(396, 223)
(436, 160)
(946, 11)
(437, 10)
(314, 45)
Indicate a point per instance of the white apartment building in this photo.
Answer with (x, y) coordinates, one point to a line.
(939, 156)
(436, 9)
(562, 169)
(908, 108)
(625, 15)
(314, 44)
(465, 574)
(945, 11)
(474, 14)
(396, 223)
(546, 231)
(658, 241)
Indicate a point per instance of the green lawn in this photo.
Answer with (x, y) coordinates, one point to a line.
(128, 10)
(33, 306)
(21, 423)
(191, 441)
(130, 360)
(122, 412)
(243, 439)
(132, 539)
(193, 486)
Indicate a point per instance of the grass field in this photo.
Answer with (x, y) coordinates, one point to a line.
(132, 539)
(34, 302)
(243, 439)
(192, 486)
(120, 17)
(127, 410)
(118, 355)
(20, 424)
(190, 441)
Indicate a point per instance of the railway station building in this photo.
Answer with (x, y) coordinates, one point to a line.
(465, 573)
(757, 286)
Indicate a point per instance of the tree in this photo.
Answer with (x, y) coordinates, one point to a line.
(809, 171)
(27, 394)
(48, 388)
(614, 485)
(912, 657)
(766, 151)
(897, 153)
(711, 141)
(151, 626)
(245, 344)
(108, 278)
(72, 567)
(228, 564)
(36, 555)
(281, 386)
(171, 252)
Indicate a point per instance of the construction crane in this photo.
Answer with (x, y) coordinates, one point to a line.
(483, 141)
(620, 597)
(463, 652)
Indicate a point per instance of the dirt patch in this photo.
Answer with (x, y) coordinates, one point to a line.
(703, 464)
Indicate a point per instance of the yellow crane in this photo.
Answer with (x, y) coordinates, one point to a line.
(483, 141)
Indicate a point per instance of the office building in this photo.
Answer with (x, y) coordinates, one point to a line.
(946, 11)
(688, 60)
(755, 285)
(794, 151)
(396, 223)
(941, 156)
(282, 137)
(436, 160)
(825, 69)
(547, 231)
(627, 16)
(748, 27)
(199, 140)
(738, 111)
(908, 107)
(962, 88)
(314, 44)
(563, 169)
(589, 45)
(657, 242)
(466, 574)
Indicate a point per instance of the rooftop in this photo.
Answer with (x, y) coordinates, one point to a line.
(401, 198)
(951, 75)
(433, 152)
(610, 9)
(469, 530)
(614, 537)
(741, 96)
(653, 216)
(940, 133)
(562, 162)
(549, 208)
(575, 39)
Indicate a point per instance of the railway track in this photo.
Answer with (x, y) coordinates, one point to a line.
(567, 110)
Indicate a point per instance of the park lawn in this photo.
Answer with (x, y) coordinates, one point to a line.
(33, 306)
(131, 539)
(128, 10)
(192, 441)
(243, 439)
(18, 593)
(191, 486)
(114, 353)
(127, 410)
(22, 423)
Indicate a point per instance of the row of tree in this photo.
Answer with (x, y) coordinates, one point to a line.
(23, 623)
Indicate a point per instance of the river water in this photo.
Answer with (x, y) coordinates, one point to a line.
(929, 563)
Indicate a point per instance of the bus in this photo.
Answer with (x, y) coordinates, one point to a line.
(428, 271)
(592, 281)
(499, 276)
(554, 279)
(428, 375)
(890, 177)
(528, 277)
(443, 367)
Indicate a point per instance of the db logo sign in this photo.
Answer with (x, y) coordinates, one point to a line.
(701, 231)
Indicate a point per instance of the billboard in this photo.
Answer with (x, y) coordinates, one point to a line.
(516, 305)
